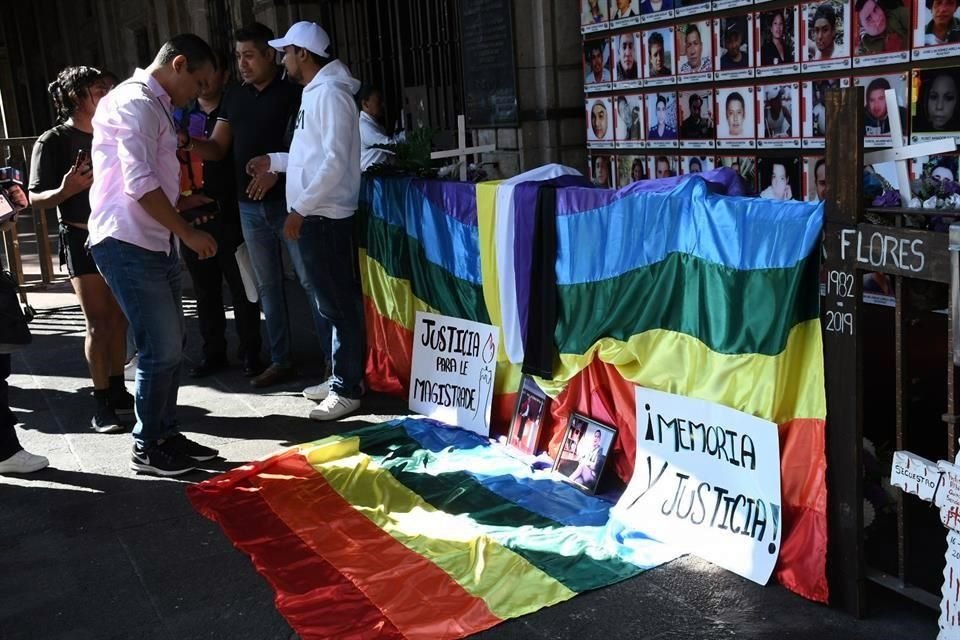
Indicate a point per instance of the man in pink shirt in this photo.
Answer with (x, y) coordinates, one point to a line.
(134, 226)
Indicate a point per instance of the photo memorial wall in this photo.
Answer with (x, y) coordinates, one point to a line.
(681, 86)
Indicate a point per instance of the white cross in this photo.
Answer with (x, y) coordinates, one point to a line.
(462, 150)
(902, 154)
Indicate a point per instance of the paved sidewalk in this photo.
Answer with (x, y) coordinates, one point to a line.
(89, 550)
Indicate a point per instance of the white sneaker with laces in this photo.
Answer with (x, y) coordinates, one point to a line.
(23, 462)
(334, 406)
(317, 392)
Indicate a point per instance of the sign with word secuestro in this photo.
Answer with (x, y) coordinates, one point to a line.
(454, 362)
(707, 480)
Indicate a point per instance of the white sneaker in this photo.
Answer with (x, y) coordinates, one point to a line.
(23, 462)
(130, 370)
(334, 406)
(317, 392)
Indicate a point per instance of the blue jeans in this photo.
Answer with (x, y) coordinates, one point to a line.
(329, 254)
(262, 224)
(147, 286)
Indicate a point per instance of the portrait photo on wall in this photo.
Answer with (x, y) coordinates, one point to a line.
(631, 169)
(936, 31)
(626, 68)
(824, 36)
(593, 15)
(720, 5)
(532, 404)
(629, 118)
(880, 31)
(695, 164)
(624, 13)
(814, 94)
(662, 166)
(584, 450)
(876, 118)
(940, 167)
(597, 68)
(694, 51)
(778, 34)
(601, 171)
(658, 59)
(733, 37)
(933, 104)
(815, 178)
(778, 126)
(698, 129)
(653, 10)
(746, 166)
(779, 178)
(599, 122)
(735, 121)
(661, 119)
(691, 7)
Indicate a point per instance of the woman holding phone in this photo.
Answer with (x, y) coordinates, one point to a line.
(60, 177)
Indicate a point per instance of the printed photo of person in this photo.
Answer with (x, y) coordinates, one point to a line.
(778, 35)
(629, 111)
(648, 7)
(659, 55)
(941, 24)
(620, 9)
(631, 169)
(814, 97)
(695, 164)
(780, 178)
(735, 50)
(662, 166)
(584, 450)
(736, 120)
(693, 48)
(593, 12)
(661, 118)
(596, 62)
(876, 119)
(601, 171)
(778, 111)
(626, 67)
(696, 115)
(880, 26)
(746, 166)
(935, 113)
(816, 179)
(827, 45)
(525, 427)
(599, 120)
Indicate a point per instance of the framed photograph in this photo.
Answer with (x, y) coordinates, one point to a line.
(624, 13)
(597, 66)
(599, 122)
(815, 110)
(626, 68)
(880, 31)
(694, 51)
(876, 120)
(746, 166)
(936, 29)
(777, 33)
(736, 128)
(779, 178)
(601, 171)
(778, 110)
(698, 128)
(733, 47)
(629, 121)
(933, 108)
(631, 169)
(825, 39)
(815, 178)
(662, 166)
(654, 10)
(695, 164)
(532, 405)
(661, 120)
(593, 16)
(584, 451)
(691, 7)
(658, 59)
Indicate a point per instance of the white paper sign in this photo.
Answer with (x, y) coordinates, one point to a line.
(454, 362)
(707, 480)
(949, 621)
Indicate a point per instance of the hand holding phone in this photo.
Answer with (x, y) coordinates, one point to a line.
(79, 177)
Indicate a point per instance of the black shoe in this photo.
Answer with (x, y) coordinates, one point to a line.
(105, 420)
(252, 366)
(208, 366)
(158, 460)
(180, 444)
(122, 402)
(274, 374)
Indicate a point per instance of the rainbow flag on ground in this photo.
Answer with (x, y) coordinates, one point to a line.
(409, 529)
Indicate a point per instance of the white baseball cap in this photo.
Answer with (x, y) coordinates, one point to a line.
(306, 35)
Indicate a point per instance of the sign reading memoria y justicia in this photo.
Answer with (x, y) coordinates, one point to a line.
(707, 480)
(454, 362)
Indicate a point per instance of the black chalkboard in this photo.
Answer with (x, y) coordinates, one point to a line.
(489, 71)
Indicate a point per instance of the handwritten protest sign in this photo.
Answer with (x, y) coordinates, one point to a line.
(707, 480)
(454, 362)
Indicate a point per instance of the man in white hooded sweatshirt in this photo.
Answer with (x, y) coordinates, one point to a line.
(323, 186)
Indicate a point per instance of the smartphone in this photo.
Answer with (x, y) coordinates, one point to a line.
(7, 210)
(209, 209)
(82, 158)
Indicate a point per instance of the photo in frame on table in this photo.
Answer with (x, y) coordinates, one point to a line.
(631, 169)
(593, 16)
(597, 65)
(780, 178)
(814, 93)
(599, 118)
(736, 127)
(662, 166)
(881, 32)
(933, 104)
(695, 164)
(698, 127)
(936, 29)
(777, 32)
(629, 113)
(778, 111)
(532, 405)
(815, 178)
(876, 120)
(733, 47)
(658, 59)
(584, 451)
(694, 44)
(661, 120)
(602, 167)
(746, 166)
(627, 55)
(825, 36)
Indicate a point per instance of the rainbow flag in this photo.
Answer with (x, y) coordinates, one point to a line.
(412, 530)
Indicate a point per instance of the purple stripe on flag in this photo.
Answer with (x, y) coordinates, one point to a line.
(457, 199)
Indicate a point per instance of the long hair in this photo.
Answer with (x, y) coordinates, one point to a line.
(70, 87)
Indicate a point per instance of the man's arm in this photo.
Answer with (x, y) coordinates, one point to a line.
(216, 146)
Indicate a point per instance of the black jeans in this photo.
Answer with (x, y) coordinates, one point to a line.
(9, 444)
(208, 276)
